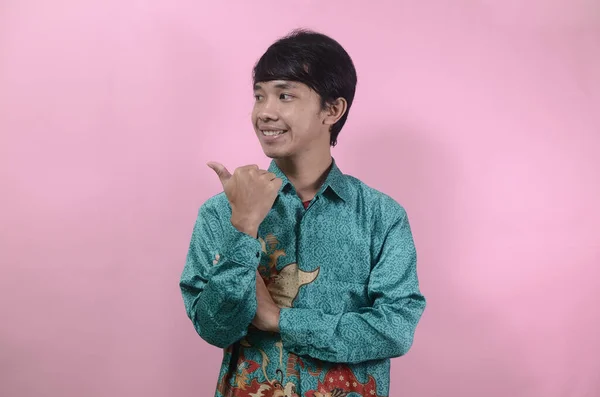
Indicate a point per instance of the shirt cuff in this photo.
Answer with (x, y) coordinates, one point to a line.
(240, 247)
(303, 330)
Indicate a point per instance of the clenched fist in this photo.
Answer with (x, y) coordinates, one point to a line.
(251, 193)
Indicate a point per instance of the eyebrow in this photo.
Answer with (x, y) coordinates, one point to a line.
(282, 85)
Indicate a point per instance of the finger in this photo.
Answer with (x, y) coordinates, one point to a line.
(250, 167)
(269, 176)
(277, 182)
(259, 278)
(220, 170)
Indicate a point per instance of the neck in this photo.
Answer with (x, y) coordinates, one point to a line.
(307, 174)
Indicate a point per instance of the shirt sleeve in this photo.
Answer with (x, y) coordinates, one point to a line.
(383, 330)
(218, 282)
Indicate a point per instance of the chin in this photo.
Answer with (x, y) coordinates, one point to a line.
(276, 153)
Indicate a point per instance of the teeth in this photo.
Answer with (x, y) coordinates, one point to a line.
(273, 133)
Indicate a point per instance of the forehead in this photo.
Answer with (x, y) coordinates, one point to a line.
(280, 85)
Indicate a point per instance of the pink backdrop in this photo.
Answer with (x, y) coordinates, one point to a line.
(481, 117)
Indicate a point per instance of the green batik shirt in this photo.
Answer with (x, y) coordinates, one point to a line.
(343, 271)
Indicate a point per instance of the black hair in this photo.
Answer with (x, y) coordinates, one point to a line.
(313, 59)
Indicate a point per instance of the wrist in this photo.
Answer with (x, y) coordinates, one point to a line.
(245, 225)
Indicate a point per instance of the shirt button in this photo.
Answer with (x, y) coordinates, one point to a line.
(309, 337)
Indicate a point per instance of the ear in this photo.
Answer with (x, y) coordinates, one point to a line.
(334, 111)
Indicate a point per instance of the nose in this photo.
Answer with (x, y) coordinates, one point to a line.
(267, 110)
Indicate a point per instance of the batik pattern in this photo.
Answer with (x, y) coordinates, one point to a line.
(343, 271)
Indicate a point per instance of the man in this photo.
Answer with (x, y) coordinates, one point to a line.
(305, 276)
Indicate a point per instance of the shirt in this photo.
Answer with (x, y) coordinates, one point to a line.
(343, 272)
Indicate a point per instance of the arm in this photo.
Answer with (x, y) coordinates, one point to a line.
(383, 330)
(220, 298)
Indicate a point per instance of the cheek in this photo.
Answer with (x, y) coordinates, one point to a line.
(310, 122)
(299, 118)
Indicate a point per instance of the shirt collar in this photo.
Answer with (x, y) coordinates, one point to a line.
(335, 181)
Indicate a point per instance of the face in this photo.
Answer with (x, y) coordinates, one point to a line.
(288, 119)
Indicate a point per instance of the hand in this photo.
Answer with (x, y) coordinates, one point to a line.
(251, 193)
(267, 312)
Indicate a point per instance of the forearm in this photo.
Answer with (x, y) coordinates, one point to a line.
(222, 312)
(373, 333)
(218, 283)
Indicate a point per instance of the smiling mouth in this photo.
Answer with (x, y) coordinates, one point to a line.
(272, 132)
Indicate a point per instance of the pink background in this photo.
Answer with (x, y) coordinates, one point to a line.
(481, 117)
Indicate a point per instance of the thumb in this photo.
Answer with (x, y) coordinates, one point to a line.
(220, 170)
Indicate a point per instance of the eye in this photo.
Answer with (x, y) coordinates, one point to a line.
(258, 97)
(285, 97)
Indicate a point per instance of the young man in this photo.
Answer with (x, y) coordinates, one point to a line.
(304, 275)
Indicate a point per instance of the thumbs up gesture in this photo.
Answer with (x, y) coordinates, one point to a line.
(251, 193)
